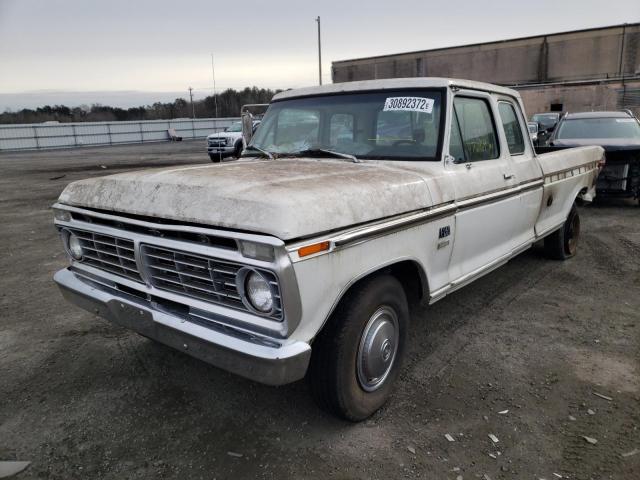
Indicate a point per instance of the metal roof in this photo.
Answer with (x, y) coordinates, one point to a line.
(393, 84)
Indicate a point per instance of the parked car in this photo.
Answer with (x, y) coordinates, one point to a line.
(547, 123)
(533, 131)
(227, 143)
(619, 134)
(355, 202)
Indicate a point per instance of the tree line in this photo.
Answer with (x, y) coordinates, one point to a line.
(228, 102)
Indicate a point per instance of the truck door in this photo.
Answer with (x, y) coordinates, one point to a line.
(526, 169)
(485, 187)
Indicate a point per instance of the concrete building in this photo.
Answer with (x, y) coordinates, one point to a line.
(594, 69)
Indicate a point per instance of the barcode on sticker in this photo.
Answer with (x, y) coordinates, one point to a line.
(411, 104)
(625, 120)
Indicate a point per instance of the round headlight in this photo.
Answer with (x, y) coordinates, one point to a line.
(259, 292)
(75, 247)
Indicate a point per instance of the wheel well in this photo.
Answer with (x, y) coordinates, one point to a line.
(410, 275)
(579, 200)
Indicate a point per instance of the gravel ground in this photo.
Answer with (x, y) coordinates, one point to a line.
(519, 354)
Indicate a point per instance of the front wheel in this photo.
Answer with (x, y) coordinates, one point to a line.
(215, 157)
(238, 150)
(563, 243)
(357, 356)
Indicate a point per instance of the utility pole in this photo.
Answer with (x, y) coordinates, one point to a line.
(319, 53)
(193, 110)
(215, 97)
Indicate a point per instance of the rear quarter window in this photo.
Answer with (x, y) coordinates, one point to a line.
(512, 128)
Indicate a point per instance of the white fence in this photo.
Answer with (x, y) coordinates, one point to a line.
(65, 135)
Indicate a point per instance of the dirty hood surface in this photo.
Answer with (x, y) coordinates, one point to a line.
(287, 198)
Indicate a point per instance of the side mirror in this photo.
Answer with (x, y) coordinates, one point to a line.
(247, 127)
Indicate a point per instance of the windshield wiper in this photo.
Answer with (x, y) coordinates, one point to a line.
(316, 151)
(258, 149)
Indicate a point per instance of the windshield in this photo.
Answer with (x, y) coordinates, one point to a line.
(234, 127)
(599, 128)
(394, 125)
(546, 120)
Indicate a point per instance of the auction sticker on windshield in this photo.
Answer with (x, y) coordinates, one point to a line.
(411, 104)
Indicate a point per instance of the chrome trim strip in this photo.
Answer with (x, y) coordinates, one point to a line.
(479, 272)
(571, 171)
(392, 225)
(379, 228)
(276, 242)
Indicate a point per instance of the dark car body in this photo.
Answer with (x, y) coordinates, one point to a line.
(619, 134)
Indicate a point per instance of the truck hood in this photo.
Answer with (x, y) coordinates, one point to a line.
(286, 198)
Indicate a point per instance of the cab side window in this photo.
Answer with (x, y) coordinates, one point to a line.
(512, 128)
(473, 127)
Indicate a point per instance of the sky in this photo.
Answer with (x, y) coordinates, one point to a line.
(131, 52)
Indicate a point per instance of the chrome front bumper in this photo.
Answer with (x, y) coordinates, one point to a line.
(220, 149)
(264, 360)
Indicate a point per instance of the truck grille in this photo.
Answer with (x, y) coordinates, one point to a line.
(203, 278)
(113, 254)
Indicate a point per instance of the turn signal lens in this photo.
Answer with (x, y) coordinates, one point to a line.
(258, 251)
(311, 249)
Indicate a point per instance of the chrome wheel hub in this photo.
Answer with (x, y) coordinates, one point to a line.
(378, 348)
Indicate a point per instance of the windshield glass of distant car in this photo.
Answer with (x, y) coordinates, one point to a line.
(546, 120)
(392, 124)
(605, 127)
(234, 127)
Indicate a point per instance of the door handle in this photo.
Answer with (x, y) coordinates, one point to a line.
(508, 177)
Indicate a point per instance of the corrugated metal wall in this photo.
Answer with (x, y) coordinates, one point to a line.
(65, 135)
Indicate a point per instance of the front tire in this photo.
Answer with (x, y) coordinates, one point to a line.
(358, 355)
(563, 243)
(238, 150)
(215, 157)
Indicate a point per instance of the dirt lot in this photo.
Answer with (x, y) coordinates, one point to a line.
(81, 398)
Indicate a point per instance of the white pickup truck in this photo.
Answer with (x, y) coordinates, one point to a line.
(352, 203)
(228, 142)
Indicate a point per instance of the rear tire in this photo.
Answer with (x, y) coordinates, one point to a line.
(563, 243)
(358, 354)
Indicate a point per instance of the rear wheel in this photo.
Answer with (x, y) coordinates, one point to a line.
(563, 243)
(357, 356)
